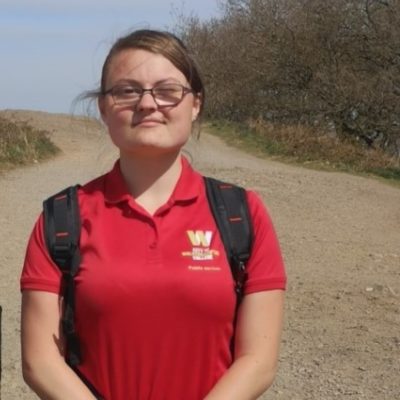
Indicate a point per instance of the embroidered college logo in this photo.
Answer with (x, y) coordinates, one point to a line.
(201, 242)
(200, 238)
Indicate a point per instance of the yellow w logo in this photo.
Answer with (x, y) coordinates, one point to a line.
(200, 238)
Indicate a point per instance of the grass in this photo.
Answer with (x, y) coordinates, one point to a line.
(307, 146)
(22, 144)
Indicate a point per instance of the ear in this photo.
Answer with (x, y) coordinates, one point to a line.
(196, 106)
(102, 108)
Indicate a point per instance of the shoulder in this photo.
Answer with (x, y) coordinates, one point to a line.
(92, 191)
(254, 200)
(94, 187)
(257, 208)
(266, 270)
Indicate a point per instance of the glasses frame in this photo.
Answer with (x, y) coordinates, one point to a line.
(185, 91)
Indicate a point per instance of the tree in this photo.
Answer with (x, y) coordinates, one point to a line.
(304, 60)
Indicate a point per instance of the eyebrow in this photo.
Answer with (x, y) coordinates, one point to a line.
(135, 82)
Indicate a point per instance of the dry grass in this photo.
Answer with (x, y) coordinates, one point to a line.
(308, 146)
(21, 144)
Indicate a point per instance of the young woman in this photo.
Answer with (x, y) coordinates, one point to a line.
(154, 317)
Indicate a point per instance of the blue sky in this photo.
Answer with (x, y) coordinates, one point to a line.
(52, 50)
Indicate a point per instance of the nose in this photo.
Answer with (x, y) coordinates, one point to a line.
(146, 102)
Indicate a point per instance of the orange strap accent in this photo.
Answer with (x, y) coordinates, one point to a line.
(61, 234)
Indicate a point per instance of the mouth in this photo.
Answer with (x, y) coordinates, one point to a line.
(148, 122)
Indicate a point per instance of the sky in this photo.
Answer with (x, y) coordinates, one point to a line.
(52, 50)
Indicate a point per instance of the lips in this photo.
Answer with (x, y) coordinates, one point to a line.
(149, 122)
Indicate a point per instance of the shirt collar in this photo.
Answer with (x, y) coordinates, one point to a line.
(115, 188)
(188, 187)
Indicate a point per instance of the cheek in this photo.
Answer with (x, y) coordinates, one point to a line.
(120, 119)
(183, 125)
(187, 114)
(118, 126)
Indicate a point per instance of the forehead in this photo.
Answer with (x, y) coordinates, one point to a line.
(142, 66)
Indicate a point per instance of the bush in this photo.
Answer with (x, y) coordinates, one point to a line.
(20, 144)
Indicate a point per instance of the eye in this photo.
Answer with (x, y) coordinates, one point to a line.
(168, 91)
(127, 91)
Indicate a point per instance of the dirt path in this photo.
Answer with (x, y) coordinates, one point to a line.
(340, 236)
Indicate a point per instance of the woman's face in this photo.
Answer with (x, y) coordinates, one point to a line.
(146, 128)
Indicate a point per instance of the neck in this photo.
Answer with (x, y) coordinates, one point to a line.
(151, 181)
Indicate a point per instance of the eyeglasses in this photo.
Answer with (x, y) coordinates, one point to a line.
(165, 94)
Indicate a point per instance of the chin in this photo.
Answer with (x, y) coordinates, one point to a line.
(152, 149)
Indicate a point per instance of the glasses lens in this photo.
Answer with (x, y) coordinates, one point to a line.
(168, 94)
(126, 94)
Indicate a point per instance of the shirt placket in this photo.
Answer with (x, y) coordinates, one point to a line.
(153, 243)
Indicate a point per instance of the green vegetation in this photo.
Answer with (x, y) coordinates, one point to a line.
(307, 146)
(21, 144)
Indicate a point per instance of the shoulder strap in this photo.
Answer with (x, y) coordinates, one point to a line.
(62, 232)
(229, 207)
(62, 228)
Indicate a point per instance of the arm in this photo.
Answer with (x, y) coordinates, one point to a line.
(258, 333)
(43, 366)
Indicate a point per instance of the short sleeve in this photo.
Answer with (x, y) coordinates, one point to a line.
(265, 267)
(39, 272)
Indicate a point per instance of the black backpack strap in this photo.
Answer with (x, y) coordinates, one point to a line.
(229, 207)
(62, 229)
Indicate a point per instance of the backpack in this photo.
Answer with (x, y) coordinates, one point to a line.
(62, 228)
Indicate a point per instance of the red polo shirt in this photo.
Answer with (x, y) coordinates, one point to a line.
(154, 294)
